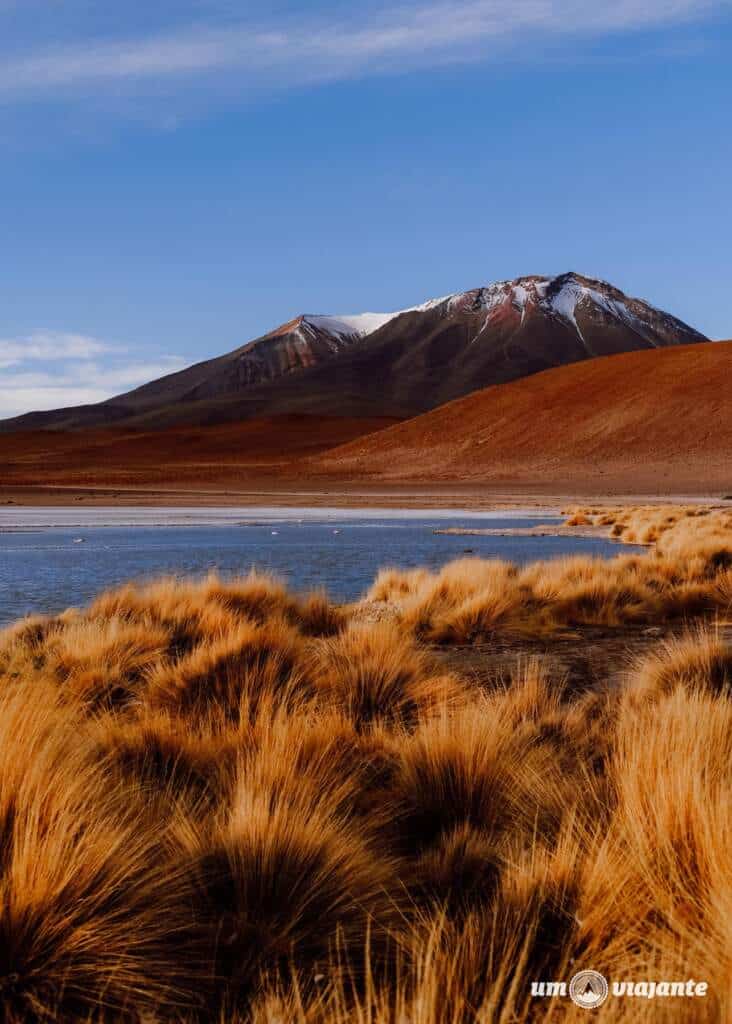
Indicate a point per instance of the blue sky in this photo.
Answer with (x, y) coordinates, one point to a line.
(179, 177)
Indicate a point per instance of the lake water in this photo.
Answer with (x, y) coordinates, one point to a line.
(51, 559)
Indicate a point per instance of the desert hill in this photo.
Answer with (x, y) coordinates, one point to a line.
(644, 422)
(639, 421)
(390, 365)
(192, 458)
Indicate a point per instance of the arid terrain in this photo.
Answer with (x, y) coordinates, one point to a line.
(224, 802)
(195, 462)
(585, 392)
(656, 422)
(643, 422)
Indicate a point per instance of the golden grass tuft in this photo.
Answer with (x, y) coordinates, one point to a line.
(230, 675)
(104, 663)
(699, 661)
(674, 524)
(93, 912)
(157, 753)
(375, 674)
(580, 519)
(687, 574)
(393, 584)
(282, 880)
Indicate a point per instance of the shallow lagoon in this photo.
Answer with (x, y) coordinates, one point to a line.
(51, 559)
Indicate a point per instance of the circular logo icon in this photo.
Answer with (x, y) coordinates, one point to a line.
(588, 989)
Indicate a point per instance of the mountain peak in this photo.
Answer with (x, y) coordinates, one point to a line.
(578, 302)
(401, 363)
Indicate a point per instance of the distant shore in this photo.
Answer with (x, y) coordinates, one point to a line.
(542, 530)
(539, 500)
(20, 518)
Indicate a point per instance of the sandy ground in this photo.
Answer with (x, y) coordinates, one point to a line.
(588, 657)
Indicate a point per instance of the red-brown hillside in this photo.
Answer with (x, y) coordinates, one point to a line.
(657, 420)
(223, 456)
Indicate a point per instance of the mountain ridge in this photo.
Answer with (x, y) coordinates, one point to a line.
(392, 364)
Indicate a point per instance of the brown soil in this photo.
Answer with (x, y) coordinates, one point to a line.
(643, 422)
(578, 659)
(585, 658)
(627, 426)
(124, 464)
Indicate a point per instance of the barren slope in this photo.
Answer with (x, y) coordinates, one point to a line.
(641, 421)
(192, 457)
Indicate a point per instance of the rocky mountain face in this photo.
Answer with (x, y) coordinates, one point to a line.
(304, 342)
(397, 364)
(591, 310)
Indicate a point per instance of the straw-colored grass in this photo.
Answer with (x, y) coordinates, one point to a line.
(647, 524)
(687, 573)
(223, 803)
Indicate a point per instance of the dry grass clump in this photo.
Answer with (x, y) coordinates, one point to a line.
(482, 775)
(376, 675)
(104, 663)
(195, 611)
(580, 519)
(687, 574)
(667, 843)
(284, 874)
(94, 913)
(220, 802)
(647, 524)
(465, 598)
(231, 674)
(464, 602)
(393, 584)
(700, 661)
(158, 754)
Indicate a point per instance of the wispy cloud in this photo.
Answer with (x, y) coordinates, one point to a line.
(48, 345)
(52, 369)
(374, 40)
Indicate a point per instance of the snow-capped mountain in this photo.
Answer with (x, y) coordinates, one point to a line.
(303, 342)
(395, 364)
(573, 299)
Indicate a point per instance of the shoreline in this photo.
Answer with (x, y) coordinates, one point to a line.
(21, 519)
(358, 496)
(543, 530)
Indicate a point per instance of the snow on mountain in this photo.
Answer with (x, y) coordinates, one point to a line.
(566, 298)
(548, 319)
(560, 297)
(360, 325)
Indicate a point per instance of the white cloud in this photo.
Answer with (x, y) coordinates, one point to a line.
(53, 346)
(409, 35)
(19, 400)
(75, 370)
